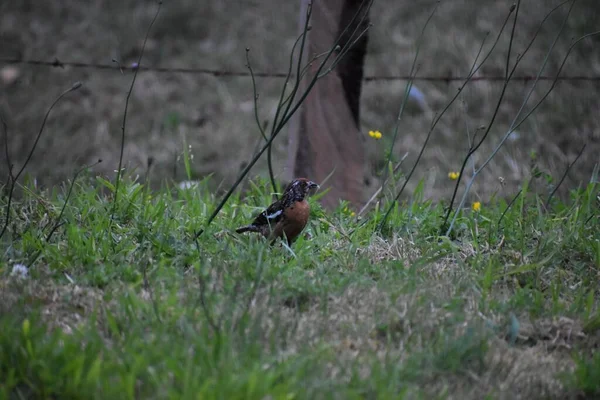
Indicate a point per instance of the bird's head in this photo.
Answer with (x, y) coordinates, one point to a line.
(300, 188)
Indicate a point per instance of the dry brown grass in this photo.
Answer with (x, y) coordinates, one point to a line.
(215, 114)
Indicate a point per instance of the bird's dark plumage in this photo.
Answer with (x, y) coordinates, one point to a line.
(288, 216)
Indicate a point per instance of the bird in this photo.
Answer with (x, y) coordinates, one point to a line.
(287, 217)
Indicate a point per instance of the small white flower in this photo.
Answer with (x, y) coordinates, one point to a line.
(19, 270)
(188, 184)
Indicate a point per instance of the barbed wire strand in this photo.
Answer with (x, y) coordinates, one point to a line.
(228, 73)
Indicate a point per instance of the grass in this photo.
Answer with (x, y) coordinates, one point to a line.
(505, 310)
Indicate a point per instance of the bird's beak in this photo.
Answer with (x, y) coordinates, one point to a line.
(312, 185)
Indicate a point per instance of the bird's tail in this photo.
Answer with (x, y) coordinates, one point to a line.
(249, 228)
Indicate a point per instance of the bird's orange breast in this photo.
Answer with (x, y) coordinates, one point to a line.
(296, 218)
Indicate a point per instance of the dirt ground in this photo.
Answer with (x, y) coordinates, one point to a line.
(214, 115)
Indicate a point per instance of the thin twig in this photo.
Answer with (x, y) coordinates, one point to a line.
(396, 168)
(508, 207)
(474, 68)
(350, 43)
(515, 125)
(62, 210)
(280, 106)
(14, 179)
(473, 148)
(290, 111)
(569, 166)
(256, 117)
(124, 123)
(413, 72)
(58, 223)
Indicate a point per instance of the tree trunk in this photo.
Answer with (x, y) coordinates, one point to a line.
(324, 135)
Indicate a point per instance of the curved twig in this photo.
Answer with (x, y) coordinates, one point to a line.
(122, 151)
(288, 113)
(15, 178)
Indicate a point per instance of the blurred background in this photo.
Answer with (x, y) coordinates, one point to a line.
(213, 115)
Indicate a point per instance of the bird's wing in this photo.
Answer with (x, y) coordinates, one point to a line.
(270, 216)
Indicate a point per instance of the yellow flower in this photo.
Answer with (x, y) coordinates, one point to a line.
(453, 175)
(476, 206)
(375, 135)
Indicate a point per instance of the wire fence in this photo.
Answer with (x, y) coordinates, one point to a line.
(116, 66)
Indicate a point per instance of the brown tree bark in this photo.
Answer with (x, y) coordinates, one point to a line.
(324, 136)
